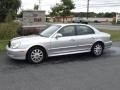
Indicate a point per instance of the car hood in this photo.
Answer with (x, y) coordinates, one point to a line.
(30, 38)
(107, 34)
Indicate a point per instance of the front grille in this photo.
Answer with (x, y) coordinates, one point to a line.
(9, 44)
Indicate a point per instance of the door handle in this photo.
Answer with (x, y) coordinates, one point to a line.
(93, 37)
(72, 40)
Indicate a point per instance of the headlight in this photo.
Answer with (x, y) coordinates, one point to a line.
(15, 45)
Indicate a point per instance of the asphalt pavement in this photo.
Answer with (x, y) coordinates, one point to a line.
(70, 72)
(106, 26)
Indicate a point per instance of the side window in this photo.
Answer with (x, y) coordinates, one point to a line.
(84, 30)
(67, 31)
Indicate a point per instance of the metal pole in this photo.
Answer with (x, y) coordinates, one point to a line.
(87, 9)
(116, 17)
(39, 5)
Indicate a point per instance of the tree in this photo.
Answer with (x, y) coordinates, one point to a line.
(63, 9)
(109, 15)
(56, 10)
(100, 15)
(20, 15)
(9, 7)
(83, 14)
(36, 7)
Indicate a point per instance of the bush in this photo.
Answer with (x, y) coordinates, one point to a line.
(27, 31)
(9, 17)
(9, 30)
(12, 29)
(30, 30)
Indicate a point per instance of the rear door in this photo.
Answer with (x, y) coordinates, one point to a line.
(85, 37)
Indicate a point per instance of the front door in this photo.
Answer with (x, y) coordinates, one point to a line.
(66, 43)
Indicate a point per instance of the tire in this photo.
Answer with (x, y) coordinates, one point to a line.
(36, 55)
(97, 49)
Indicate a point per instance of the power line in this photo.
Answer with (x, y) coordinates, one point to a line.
(107, 4)
(98, 4)
(92, 6)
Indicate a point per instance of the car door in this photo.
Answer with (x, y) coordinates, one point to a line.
(85, 37)
(66, 43)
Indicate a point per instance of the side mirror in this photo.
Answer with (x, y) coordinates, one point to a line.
(58, 35)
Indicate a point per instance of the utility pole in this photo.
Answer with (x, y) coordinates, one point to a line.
(116, 17)
(39, 5)
(87, 9)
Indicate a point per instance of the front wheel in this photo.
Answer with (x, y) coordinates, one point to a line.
(97, 49)
(36, 55)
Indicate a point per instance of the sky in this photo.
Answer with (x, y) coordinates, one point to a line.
(80, 5)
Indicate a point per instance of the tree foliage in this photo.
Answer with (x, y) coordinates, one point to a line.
(63, 9)
(20, 15)
(67, 6)
(36, 7)
(8, 7)
(93, 14)
(56, 10)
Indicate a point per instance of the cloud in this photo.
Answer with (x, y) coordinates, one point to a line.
(95, 5)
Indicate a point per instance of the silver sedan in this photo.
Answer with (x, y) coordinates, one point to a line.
(59, 39)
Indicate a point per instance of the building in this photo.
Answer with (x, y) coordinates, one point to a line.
(66, 19)
(100, 19)
(117, 18)
(31, 17)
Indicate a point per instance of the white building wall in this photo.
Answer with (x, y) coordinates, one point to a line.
(33, 18)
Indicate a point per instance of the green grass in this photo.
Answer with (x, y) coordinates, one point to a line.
(3, 44)
(115, 34)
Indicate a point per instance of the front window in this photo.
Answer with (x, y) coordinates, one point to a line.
(67, 31)
(50, 30)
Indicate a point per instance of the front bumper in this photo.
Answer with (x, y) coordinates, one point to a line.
(19, 54)
(108, 44)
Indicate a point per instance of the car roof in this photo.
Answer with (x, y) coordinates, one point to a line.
(71, 24)
(96, 30)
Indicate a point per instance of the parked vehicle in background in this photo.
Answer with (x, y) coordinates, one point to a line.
(59, 39)
(96, 21)
(80, 20)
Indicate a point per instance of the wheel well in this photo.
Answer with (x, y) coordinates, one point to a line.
(100, 43)
(38, 47)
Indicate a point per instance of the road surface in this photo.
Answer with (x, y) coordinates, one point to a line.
(71, 72)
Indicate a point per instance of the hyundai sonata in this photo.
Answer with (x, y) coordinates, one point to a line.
(59, 39)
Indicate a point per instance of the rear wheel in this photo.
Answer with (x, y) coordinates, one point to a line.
(36, 55)
(97, 49)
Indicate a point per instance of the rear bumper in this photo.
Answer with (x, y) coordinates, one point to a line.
(108, 44)
(19, 54)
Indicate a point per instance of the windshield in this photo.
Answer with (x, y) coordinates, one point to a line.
(50, 30)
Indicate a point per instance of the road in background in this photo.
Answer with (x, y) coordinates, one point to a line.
(106, 26)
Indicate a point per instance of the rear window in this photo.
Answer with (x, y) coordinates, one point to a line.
(84, 30)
